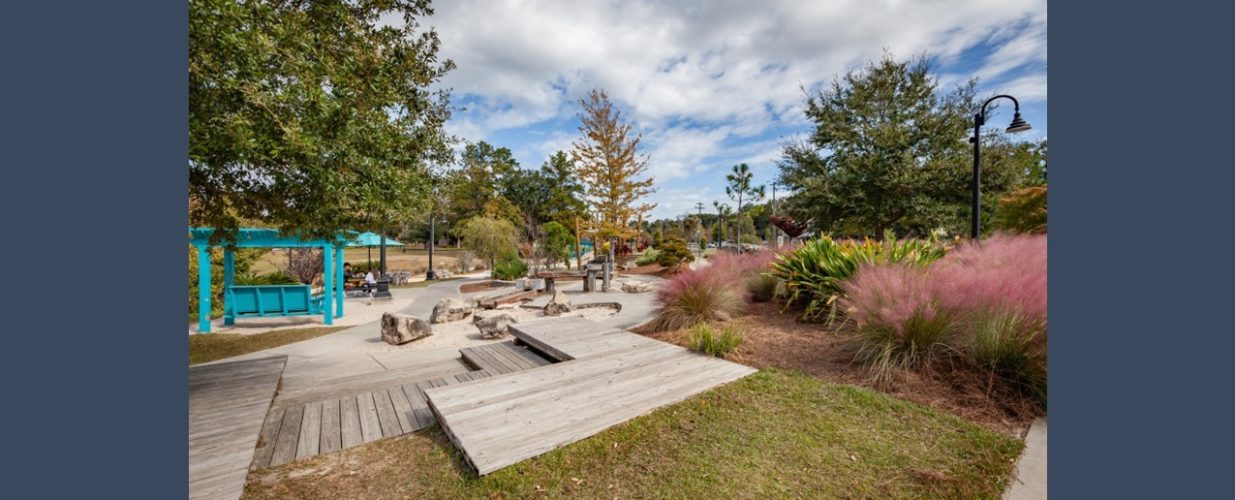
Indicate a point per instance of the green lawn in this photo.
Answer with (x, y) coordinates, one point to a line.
(774, 434)
(213, 346)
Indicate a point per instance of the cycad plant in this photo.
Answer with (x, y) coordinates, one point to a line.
(813, 273)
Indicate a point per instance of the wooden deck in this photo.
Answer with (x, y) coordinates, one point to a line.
(227, 404)
(606, 377)
(351, 412)
(502, 357)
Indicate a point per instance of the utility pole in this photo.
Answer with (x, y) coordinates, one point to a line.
(578, 246)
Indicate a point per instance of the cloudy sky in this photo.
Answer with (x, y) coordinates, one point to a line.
(711, 84)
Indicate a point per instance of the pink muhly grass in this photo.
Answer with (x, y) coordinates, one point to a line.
(1003, 274)
(889, 296)
(695, 296)
(717, 292)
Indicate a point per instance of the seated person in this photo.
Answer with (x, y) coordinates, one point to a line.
(347, 270)
(370, 280)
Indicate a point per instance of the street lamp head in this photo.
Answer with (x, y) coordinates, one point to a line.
(1018, 124)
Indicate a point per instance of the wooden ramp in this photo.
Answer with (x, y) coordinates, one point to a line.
(349, 413)
(227, 404)
(606, 377)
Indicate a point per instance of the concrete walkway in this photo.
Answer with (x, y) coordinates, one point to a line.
(354, 351)
(1029, 481)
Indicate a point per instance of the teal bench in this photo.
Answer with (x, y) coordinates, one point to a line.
(260, 301)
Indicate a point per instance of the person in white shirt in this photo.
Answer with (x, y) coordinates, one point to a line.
(370, 280)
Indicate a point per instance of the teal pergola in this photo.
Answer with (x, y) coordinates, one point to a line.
(332, 254)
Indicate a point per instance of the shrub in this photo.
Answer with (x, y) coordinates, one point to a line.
(705, 339)
(673, 253)
(463, 261)
(509, 267)
(814, 272)
(649, 256)
(709, 253)
(1023, 211)
(984, 301)
(899, 323)
(761, 287)
(274, 278)
(696, 296)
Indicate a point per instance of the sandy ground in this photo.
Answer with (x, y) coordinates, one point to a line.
(356, 311)
(464, 334)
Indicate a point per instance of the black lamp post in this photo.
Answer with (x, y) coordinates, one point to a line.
(430, 275)
(383, 281)
(1018, 125)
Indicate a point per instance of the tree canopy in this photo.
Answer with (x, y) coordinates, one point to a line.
(610, 166)
(889, 153)
(312, 116)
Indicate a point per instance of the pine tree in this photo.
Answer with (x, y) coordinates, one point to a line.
(610, 166)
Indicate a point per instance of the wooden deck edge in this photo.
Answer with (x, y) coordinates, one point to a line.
(491, 469)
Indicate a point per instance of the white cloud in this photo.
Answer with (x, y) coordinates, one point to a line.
(716, 62)
(704, 79)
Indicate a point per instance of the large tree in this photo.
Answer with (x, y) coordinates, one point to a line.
(565, 201)
(312, 116)
(888, 153)
(610, 166)
(739, 188)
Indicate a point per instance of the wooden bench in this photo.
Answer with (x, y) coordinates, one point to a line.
(260, 301)
(551, 278)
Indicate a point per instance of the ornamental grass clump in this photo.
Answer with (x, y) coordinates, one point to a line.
(707, 340)
(696, 296)
(998, 287)
(983, 305)
(716, 292)
(900, 325)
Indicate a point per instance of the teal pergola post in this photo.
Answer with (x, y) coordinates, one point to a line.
(203, 289)
(229, 278)
(339, 281)
(328, 281)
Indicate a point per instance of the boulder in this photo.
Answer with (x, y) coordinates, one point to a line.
(557, 305)
(398, 329)
(451, 310)
(495, 326)
(636, 286)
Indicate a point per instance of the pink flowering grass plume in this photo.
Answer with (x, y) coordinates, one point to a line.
(1002, 274)
(888, 296)
(716, 292)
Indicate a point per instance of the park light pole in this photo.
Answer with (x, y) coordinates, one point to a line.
(383, 281)
(430, 275)
(1017, 125)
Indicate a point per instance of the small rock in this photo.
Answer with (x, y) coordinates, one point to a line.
(398, 329)
(451, 310)
(494, 327)
(636, 287)
(557, 305)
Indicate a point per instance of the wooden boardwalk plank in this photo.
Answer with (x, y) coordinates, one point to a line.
(228, 406)
(403, 409)
(349, 422)
(420, 407)
(370, 426)
(310, 431)
(386, 414)
(331, 440)
(289, 435)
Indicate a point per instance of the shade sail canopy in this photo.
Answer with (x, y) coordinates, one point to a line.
(371, 240)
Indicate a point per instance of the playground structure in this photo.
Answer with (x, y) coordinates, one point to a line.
(268, 300)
